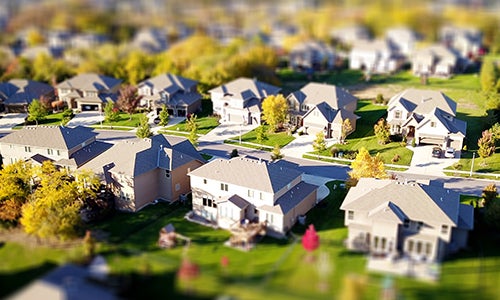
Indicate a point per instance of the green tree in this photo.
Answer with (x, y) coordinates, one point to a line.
(163, 116)
(111, 113)
(193, 136)
(136, 67)
(365, 165)
(488, 75)
(382, 132)
(486, 144)
(492, 215)
(346, 129)
(144, 129)
(128, 99)
(276, 153)
(274, 111)
(489, 195)
(34, 37)
(260, 134)
(319, 144)
(192, 123)
(36, 111)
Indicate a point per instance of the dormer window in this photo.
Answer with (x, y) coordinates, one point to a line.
(444, 229)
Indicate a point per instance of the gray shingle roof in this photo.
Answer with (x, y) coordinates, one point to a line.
(22, 91)
(246, 88)
(90, 82)
(55, 137)
(291, 198)
(419, 202)
(454, 125)
(250, 173)
(315, 93)
(169, 83)
(424, 101)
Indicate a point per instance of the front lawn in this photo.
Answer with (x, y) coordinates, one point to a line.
(279, 138)
(125, 120)
(205, 125)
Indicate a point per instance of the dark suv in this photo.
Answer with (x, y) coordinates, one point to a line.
(437, 152)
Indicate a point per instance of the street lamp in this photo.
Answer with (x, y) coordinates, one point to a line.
(472, 164)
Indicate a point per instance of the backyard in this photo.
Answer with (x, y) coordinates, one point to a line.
(274, 269)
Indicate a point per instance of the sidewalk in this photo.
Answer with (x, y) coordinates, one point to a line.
(225, 131)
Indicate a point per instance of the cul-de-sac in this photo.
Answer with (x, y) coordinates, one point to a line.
(233, 149)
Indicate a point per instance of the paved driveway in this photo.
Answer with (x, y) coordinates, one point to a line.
(7, 121)
(422, 161)
(86, 118)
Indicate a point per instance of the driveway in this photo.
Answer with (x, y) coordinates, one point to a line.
(7, 121)
(86, 118)
(422, 161)
(225, 131)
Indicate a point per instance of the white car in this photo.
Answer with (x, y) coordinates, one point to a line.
(449, 153)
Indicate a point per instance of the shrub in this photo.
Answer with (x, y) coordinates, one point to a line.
(350, 154)
(334, 151)
(413, 143)
(395, 158)
(457, 166)
(379, 99)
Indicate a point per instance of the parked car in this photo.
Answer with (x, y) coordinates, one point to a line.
(437, 152)
(449, 153)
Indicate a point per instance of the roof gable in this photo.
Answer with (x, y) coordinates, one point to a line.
(90, 82)
(424, 101)
(245, 85)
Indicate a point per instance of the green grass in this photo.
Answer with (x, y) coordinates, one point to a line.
(125, 119)
(280, 138)
(205, 125)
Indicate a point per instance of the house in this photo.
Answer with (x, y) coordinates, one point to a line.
(427, 116)
(227, 192)
(467, 41)
(349, 35)
(66, 147)
(239, 101)
(435, 60)
(179, 94)
(142, 171)
(87, 40)
(279, 33)
(88, 91)
(150, 40)
(321, 107)
(419, 222)
(17, 94)
(403, 39)
(375, 57)
(312, 56)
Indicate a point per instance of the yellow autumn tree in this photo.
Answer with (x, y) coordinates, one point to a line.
(274, 111)
(365, 165)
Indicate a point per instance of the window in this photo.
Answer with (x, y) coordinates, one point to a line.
(433, 124)
(204, 181)
(410, 245)
(167, 173)
(350, 215)
(50, 151)
(444, 229)
(223, 187)
(261, 196)
(58, 152)
(419, 225)
(375, 242)
(250, 193)
(177, 187)
(397, 114)
(419, 247)
(205, 200)
(27, 149)
(383, 243)
(428, 248)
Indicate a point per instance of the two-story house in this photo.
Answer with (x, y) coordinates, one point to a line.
(435, 60)
(321, 107)
(226, 192)
(312, 56)
(375, 57)
(64, 146)
(420, 221)
(467, 41)
(88, 91)
(239, 101)
(179, 94)
(140, 171)
(427, 116)
(403, 39)
(17, 94)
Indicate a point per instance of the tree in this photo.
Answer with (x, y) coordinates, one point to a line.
(163, 116)
(310, 240)
(36, 111)
(365, 165)
(486, 145)
(489, 195)
(191, 123)
(488, 75)
(260, 134)
(136, 67)
(274, 111)
(276, 153)
(128, 99)
(193, 136)
(111, 113)
(234, 153)
(144, 129)
(382, 132)
(346, 129)
(319, 143)
(492, 215)
(15, 189)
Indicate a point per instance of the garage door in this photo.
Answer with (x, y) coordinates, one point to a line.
(91, 107)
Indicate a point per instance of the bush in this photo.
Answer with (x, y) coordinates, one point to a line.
(413, 143)
(350, 154)
(379, 99)
(395, 158)
(457, 166)
(334, 151)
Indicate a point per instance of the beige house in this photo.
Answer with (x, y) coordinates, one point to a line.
(227, 192)
(420, 222)
(88, 91)
(239, 101)
(435, 60)
(179, 94)
(64, 146)
(17, 94)
(321, 107)
(427, 116)
(140, 171)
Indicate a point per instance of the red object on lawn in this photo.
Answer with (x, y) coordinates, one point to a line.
(310, 240)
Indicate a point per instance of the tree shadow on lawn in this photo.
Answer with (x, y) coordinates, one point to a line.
(458, 292)
(10, 282)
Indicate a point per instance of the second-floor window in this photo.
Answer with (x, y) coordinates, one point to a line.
(433, 124)
(397, 114)
(27, 149)
(50, 152)
(223, 187)
(350, 215)
(444, 229)
(250, 193)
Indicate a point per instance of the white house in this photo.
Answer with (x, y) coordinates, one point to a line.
(226, 192)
